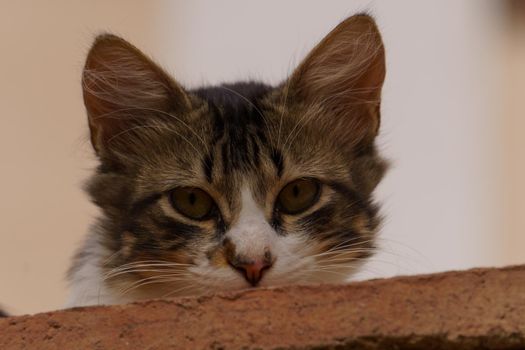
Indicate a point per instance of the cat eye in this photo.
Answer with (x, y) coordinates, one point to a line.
(192, 202)
(298, 196)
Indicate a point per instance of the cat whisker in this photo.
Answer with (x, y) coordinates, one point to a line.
(148, 281)
(154, 262)
(151, 263)
(110, 258)
(143, 267)
(342, 253)
(306, 248)
(350, 243)
(133, 271)
(345, 249)
(340, 260)
(381, 239)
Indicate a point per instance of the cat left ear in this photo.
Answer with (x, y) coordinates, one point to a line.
(122, 88)
(344, 75)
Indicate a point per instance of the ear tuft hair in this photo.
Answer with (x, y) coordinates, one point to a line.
(121, 86)
(344, 74)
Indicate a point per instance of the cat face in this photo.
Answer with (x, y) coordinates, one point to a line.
(237, 185)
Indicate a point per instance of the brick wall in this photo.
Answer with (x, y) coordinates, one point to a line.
(475, 309)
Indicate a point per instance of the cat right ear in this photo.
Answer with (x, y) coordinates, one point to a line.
(343, 75)
(123, 89)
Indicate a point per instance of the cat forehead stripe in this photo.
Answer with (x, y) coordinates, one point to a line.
(239, 129)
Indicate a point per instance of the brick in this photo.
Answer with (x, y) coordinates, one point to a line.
(475, 309)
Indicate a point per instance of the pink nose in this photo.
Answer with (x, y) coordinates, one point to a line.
(253, 270)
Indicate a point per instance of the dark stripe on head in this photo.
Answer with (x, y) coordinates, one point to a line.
(225, 158)
(255, 151)
(262, 136)
(238, 121)
(218, 124)
(208, 167)
(277, 159)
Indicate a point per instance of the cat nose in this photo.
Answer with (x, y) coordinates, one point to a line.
(252, 270)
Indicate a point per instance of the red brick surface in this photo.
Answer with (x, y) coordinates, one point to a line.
(476, 309)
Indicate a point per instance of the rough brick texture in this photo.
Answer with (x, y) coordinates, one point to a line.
(476, 309)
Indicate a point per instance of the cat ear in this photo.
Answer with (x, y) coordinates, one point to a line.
(343, 75)
(122, 88)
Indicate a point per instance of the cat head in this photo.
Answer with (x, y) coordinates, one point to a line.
(241, 184)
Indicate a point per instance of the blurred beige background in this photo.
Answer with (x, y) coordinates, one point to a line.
(453, 118)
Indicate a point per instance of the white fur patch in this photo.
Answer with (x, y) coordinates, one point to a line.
(87, 285)
(251, 234)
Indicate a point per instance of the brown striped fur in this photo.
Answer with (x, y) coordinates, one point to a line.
(151, 135)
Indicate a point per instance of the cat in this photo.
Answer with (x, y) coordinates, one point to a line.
(232, 186)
